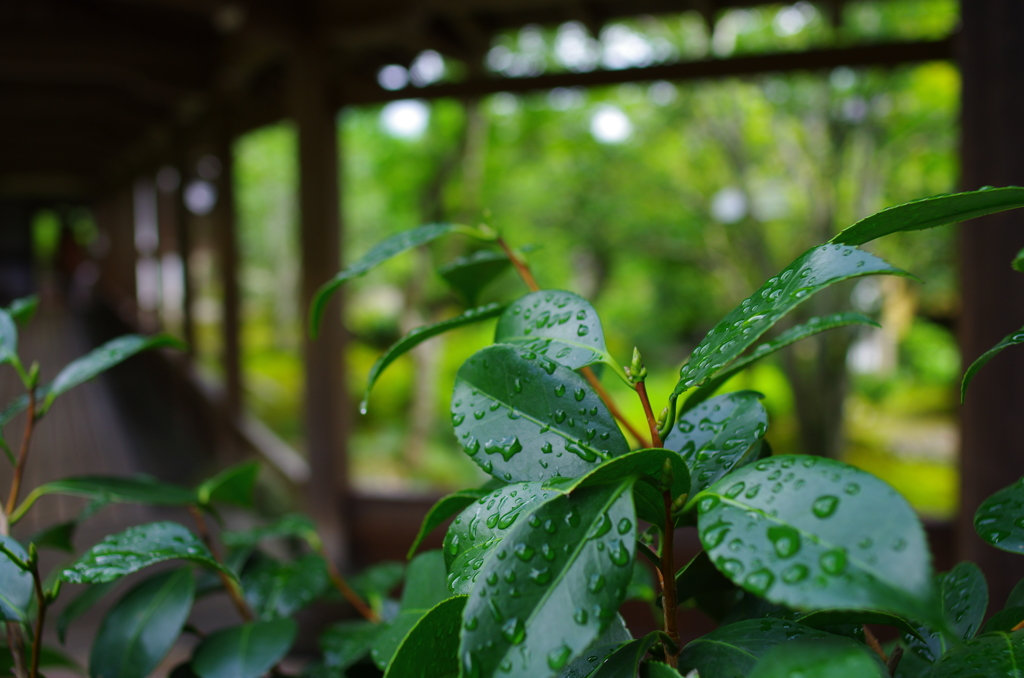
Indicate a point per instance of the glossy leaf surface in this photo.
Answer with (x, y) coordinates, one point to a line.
(659, 670)
(938, 210)
(80, 605)
(280, 589)
(345, 643)
(142, 627)
(521, 416)
(48, 658)
(790, 336)
(610, 640)
(553, 585)
(138, 547)
(381, 252)
(469, 275)
(424, 588)
(290, 525)
(480, 528)
(430, 649)
(1000, 518)
(964, 597)
(559, 325)
(442, 510)
(102, 359)
(732, 651)
(57, 536)
(1007, 341)
(814, 270)
(246, 651)
(234, 485)
(998, 654)
(824, 619)
(700, 577)
(814, 533)
(23, 309)
(833, 658)
(16, 587)
(374, 583)
(111, 488)
(1004, 620)
(625, 661)
(8, 338)
(716, 436)
(421, 334)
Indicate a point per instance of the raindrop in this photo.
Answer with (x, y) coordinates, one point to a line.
(735, 490)
(573, 517)
(759, 581)
(833, 561)
(560, 390)
(517, 385)
(619, 553)
(825, 505)
(601, 528)
(730, 567)
(582, 330)
(596, 583)
(540, 576)
(560, 416)
(558, 657)
(579, 394)
(625, 526)
(546, 448)
(851, 488)
(580, 615)
(513, 631)
(785, 539)
(794, 574)
(458, 418)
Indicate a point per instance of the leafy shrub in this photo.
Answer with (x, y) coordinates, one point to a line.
(800, 552)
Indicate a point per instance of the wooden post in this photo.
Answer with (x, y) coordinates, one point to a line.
(992, 454)
(183, 222)
(231, 302)
(326, 405)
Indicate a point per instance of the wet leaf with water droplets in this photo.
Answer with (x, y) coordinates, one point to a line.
(424, 588)
(481, 527)
(345, 643)
(582, 573)
(443, 509)
(625, 661)
(814, 270)
(549, 323)
(280, 589)
(717, 436)
(529, 435)
(469, 275)
(964, 597)
(113, 489)
(799, 544)
(732, 651)
(1011, 339)
(138, 547)
(431, 647)
(997, 654)
(830, 658)
(246, 651)
(420, 334)
(1000, 518)
(16, 588)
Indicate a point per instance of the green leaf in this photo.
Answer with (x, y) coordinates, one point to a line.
(614, 637)
(16, 586)
(480, 528)
(80, 605)
(790, 336)
(700, 577)
(559, 325)
(8, 338)
(111, 489)
(731, 651)
(625, 661)
(825, 619)
(101, 359)
(138, 632)
(658, 670)
(814, 533)
(832, 658)
(442, 510)
(648, 465)
(246, 651)
(554, 584)
(997, 520)
(938, 210)
(55, 537)
(998, 654)
(23, 309)
(374, 583)
(1016, 597)
(1013, 339)
(424, 588)
(964, 597)
(524, 417)
(1004, 620)
(48, 658)
(234, 485)
(1018, 262)
(641, 586)
(718, 436)
(290, 525)
(431, 648)
(275, 589)
(380, 253)
(469, 275)
(814, 270)
(421, 334)
(138, 547)
(345, 643)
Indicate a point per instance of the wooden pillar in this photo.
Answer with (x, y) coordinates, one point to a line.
(992, 419)
(184, 228)
(326, 405)
(231, 301)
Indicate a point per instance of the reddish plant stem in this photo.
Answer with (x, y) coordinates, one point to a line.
(641, 391)
(19, 468)
(350, 595)
(668, 582)
(1018, 627)
(229, 584)
(873, 643)
(894, 660)
(17, 647)
(521, 268)
(37, 640)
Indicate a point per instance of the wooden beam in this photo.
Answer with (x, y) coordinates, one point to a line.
(992, 153)
(326, 404)
(231, 298)
(885, 54)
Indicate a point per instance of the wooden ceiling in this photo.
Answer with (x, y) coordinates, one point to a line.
(92, 91)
